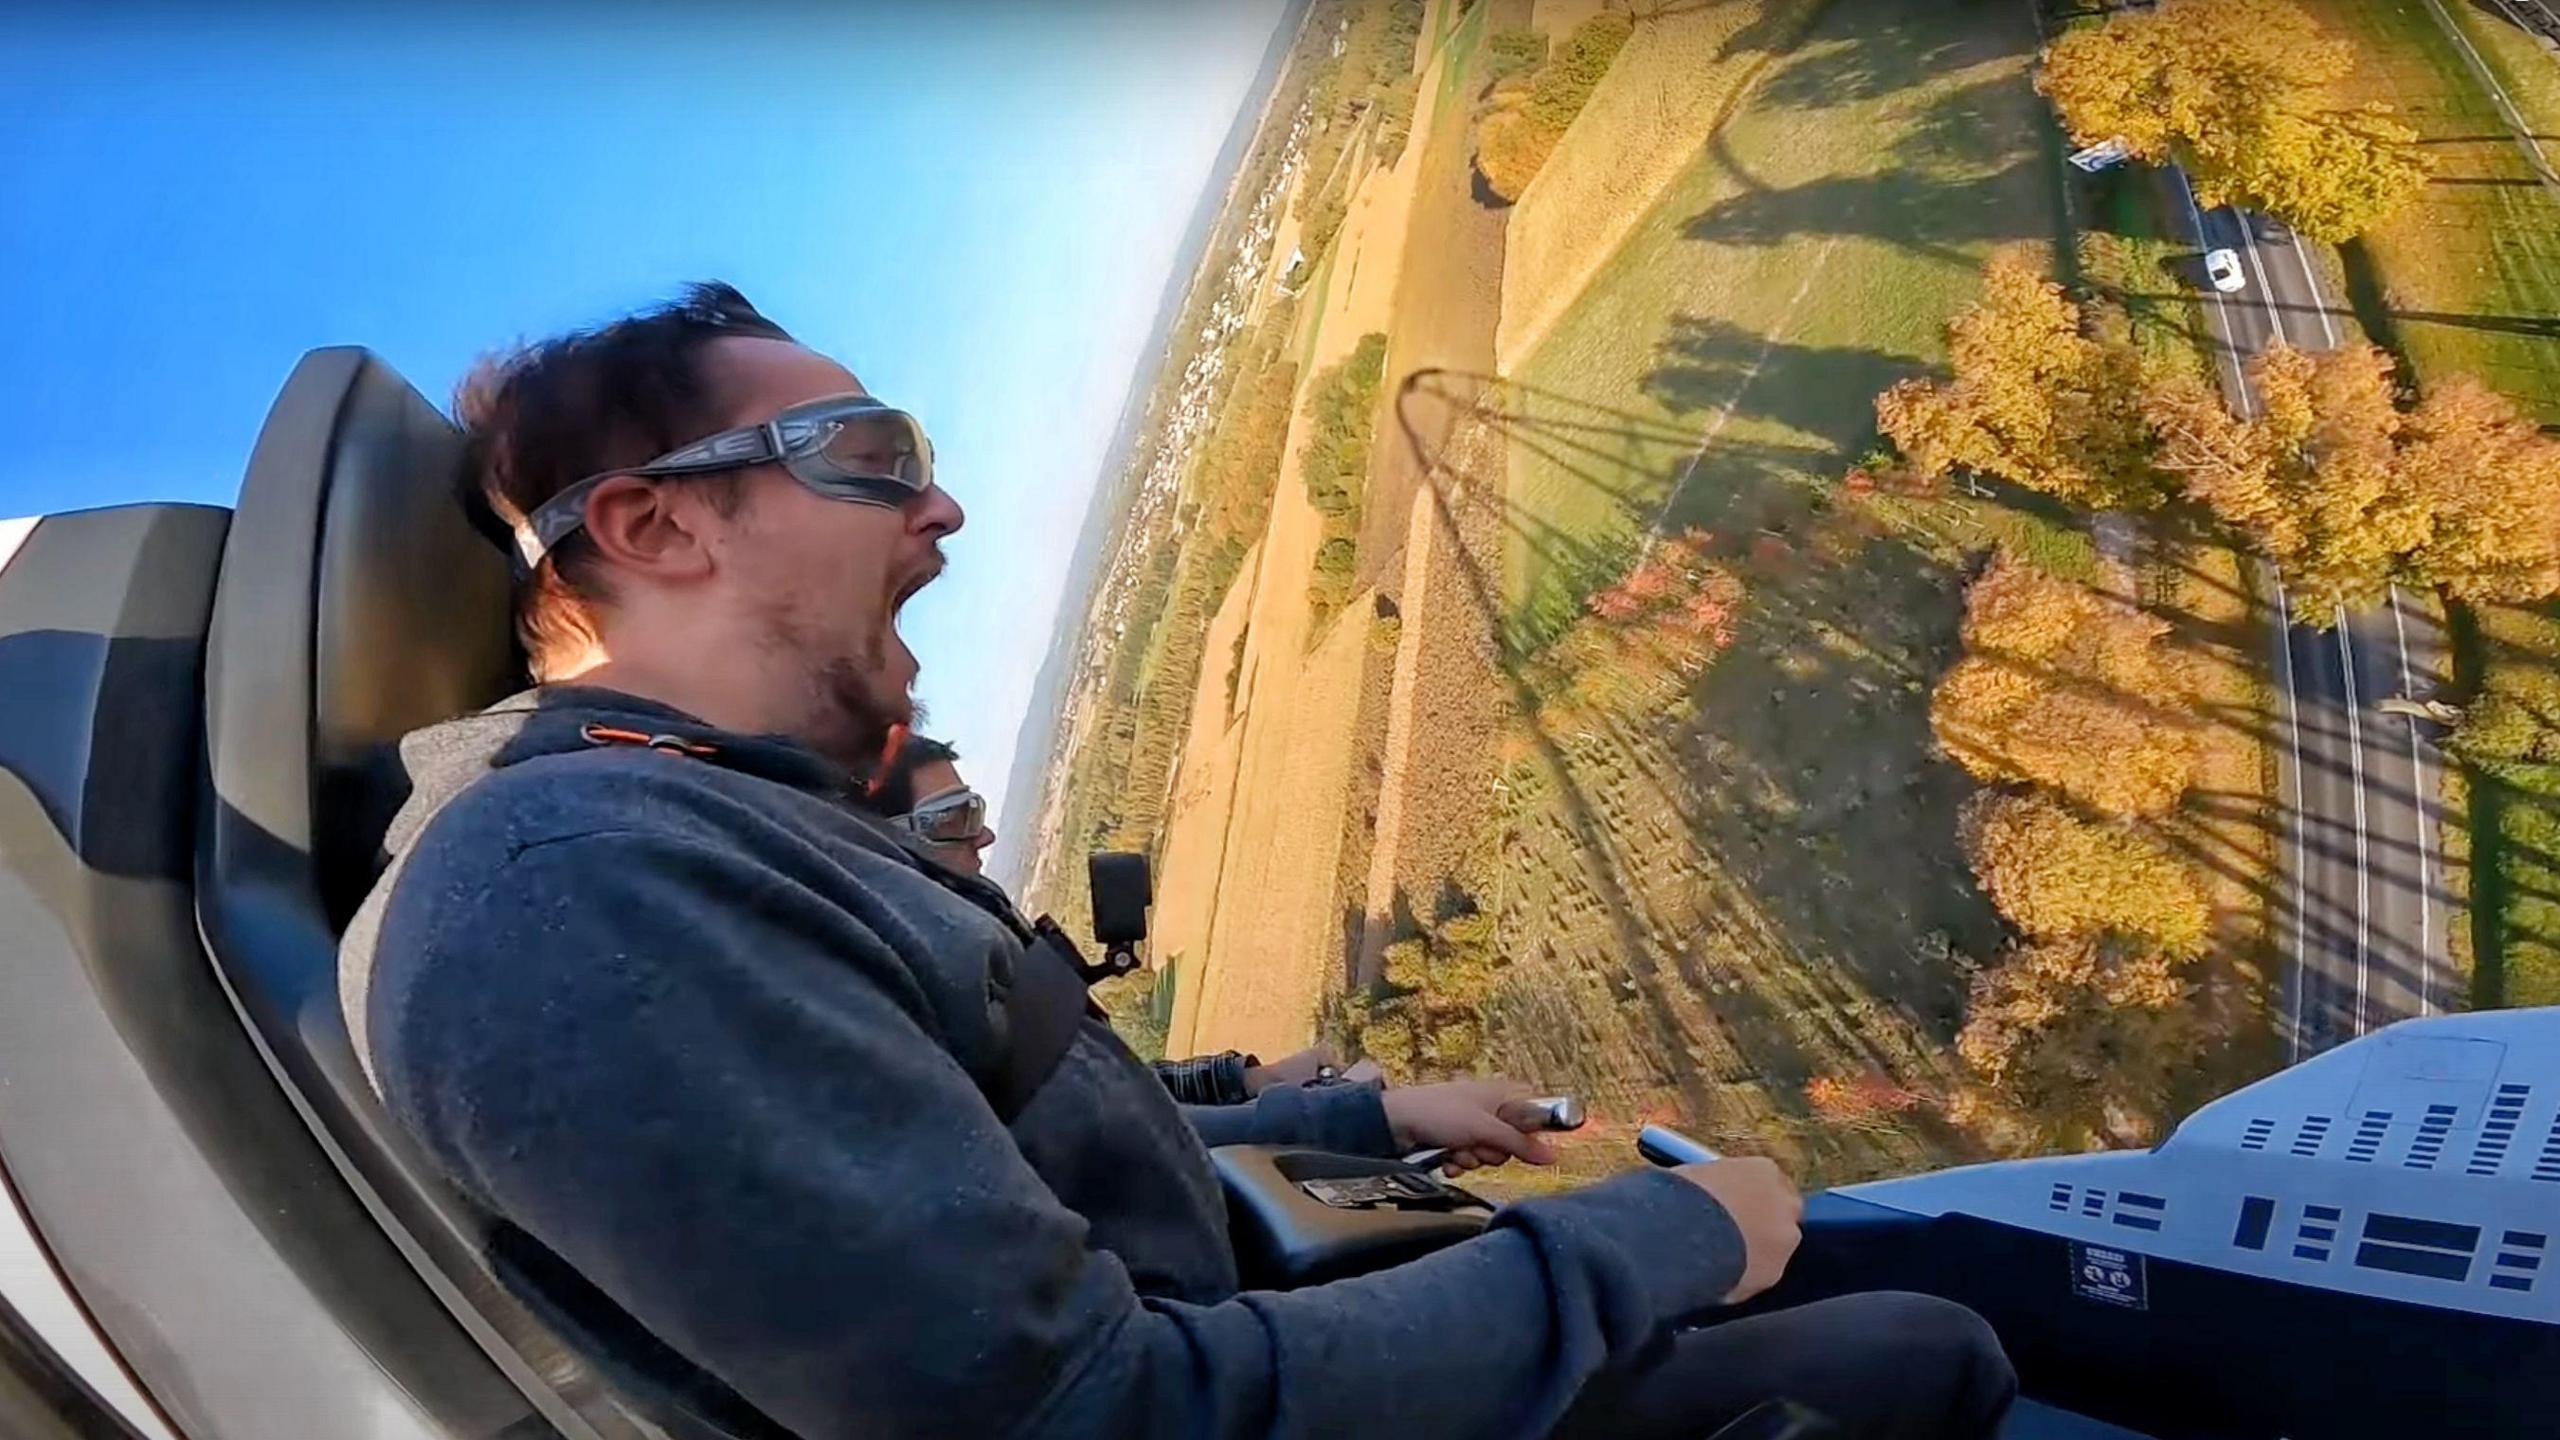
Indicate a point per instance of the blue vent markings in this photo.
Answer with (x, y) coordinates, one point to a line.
(2436, 1234)
(2257, 1212)
(2369, 1134)
(2404, 1261)
(2408, 1245)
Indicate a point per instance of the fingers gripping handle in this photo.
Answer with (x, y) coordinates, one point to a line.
(1665, 1146)
(1550, 1112)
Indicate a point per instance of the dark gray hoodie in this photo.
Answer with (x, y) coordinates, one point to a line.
(708, 1034)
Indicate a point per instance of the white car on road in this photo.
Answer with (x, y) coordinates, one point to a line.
(2222, 267)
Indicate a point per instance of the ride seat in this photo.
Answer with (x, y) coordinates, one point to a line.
(356, 603)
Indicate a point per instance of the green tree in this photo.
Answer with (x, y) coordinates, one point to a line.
(1342, 412)
(2237, 92)
(1426, 1018)
(1514, 52)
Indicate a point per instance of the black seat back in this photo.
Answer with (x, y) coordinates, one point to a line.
(355, 604)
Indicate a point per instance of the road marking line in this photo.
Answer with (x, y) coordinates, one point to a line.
(2311, 281)
(2230, 347)
(2266, 292)
(2302, 808)
(2355, 755)
(1742, 387)
(2418, 783)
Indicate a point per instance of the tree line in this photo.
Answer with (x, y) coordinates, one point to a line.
(1342, 419)
(2345, 478)
(2068, 704)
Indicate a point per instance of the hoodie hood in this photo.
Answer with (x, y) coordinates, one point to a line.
(443, 760)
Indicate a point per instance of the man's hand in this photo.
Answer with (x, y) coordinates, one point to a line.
(1467, 1116)
(1765, 1207)
(1295, 1069)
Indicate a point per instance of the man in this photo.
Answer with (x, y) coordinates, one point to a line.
(653, 990)
(918, 789)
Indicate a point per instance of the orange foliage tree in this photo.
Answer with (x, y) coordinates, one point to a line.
(2032, 400)
(2057, 876)
(2065, 688)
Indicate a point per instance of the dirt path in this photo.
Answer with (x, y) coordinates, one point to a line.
(1274, 937)
(1446, 310)
(1204, 798)
(1444, 710)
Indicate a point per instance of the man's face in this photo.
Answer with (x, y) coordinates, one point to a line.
(822, 580)
(936, 778)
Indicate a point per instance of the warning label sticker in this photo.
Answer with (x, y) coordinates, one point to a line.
(2108, 1276)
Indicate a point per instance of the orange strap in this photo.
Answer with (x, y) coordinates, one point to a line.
(670, 744)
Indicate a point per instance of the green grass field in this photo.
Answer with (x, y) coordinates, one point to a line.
(1807, 258)
(2523, 68)
(2510, 659)
(2467, 279)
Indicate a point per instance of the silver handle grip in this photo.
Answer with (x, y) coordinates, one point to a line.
(1665, 1146)
(1551, 1112)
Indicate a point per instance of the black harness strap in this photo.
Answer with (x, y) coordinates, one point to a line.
(1042, 1011)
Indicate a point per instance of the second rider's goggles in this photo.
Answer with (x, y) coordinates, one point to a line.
(954, 817)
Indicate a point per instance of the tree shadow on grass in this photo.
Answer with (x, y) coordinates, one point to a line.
(1706, 364)
(1927, 214)
(1888, 52)
(1812, 808)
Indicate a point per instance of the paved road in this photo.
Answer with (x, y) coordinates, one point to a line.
(2360, 874)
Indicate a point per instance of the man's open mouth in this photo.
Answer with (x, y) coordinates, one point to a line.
(916, 582)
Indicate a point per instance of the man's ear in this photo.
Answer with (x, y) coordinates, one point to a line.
(648, 528)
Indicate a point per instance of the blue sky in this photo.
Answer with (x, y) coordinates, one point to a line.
(975, 205)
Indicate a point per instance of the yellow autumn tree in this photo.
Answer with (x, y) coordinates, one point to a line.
(2058, 876)
(2347, 491)
(2488, 481)
(2240, 93)
(2032, 400)
(2082, 1039)
(2065, 688)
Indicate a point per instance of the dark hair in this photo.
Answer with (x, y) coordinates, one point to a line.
(543, 416)
(892, 790)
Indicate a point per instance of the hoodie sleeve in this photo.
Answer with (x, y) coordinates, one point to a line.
(722, 1100)
(1350, 1119)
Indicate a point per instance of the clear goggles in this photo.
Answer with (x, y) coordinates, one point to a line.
(844, 447)
(954, 817)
